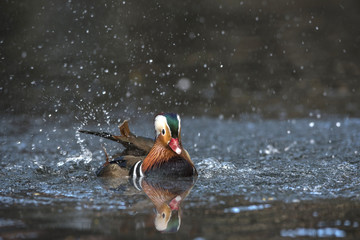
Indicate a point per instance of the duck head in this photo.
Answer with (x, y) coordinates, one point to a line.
(168, 129)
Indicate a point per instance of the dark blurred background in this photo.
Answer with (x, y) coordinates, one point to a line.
(278, 59)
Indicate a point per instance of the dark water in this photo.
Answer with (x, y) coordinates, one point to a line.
(257, 179)
(268, 92)
(273, 58)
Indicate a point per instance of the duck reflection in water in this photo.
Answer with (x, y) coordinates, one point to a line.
(167, 196)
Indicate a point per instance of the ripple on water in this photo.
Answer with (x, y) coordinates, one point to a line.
(311, 232)
(246, 208)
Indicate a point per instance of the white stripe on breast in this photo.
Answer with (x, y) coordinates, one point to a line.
(137, 165)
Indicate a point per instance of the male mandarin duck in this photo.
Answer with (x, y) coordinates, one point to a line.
(165, 157)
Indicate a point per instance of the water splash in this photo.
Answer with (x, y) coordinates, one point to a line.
(85, 155)
(269, 150)
(210, 167)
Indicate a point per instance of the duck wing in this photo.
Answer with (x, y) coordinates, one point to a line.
(130, 141)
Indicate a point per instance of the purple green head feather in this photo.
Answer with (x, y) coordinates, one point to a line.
(173, 121)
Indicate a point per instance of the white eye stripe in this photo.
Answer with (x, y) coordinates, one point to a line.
(179, 120)
(160, 124)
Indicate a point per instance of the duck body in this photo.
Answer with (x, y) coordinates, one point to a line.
(165, 163)
(173, 167)
(165, 158)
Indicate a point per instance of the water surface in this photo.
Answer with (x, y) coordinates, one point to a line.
(257, 179)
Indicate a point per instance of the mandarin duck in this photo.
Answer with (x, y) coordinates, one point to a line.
(165, 157)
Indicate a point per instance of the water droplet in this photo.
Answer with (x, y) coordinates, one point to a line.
(183, 84)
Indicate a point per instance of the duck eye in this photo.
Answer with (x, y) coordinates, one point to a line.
(163, 132)
(163, 215)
